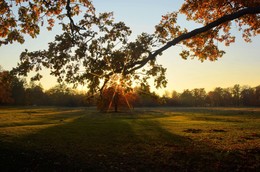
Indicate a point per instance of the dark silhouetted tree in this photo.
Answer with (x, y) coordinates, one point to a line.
(175, 98)
(19, 91)
(248, 97)
(5, 87)
(257, 94)
(236, 90)
(199, 95)
(187, 98)
(35, 95)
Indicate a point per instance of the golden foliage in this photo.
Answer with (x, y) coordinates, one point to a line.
(32, 14)
(205, 45)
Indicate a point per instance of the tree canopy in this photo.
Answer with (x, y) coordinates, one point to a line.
(96, 50)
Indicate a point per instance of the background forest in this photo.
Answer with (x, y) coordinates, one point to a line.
(16, 91)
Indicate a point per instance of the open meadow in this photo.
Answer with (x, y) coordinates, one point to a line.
(145, 139)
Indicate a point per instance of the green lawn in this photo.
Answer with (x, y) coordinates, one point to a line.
(146, 139)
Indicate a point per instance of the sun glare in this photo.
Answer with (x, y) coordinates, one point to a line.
(116, 80)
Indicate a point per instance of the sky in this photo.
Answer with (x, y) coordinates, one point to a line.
(240, 64)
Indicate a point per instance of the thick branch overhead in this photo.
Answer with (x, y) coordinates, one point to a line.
(224, 19)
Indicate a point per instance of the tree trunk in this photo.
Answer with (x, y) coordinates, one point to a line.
(116, 102)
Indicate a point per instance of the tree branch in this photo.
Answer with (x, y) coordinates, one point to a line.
(73, 26)
(224, 19)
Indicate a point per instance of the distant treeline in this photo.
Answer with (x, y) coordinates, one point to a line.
(233, 96)
(16, 91)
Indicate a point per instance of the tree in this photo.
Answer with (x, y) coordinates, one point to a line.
(248, 97)
(257, 94)
(216, 97)
(35, 95)
(60, 95)
(5, 87)
(94, 57)
(227, 97)
(187, 98)
(146, 98)
(96, 50)
(19, 91)
(199, 95)
(236, 90)
(175, 98)
(12, 90)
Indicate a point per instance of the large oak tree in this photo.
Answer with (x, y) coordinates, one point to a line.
(95, 50)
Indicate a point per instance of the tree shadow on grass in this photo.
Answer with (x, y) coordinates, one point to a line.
(115, 144)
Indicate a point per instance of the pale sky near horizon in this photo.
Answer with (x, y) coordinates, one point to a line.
(240, 64)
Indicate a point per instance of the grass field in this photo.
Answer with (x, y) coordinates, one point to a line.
(146, 139)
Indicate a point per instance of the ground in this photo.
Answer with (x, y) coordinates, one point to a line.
(145, 139)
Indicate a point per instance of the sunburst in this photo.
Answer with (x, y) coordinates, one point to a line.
(117, 81)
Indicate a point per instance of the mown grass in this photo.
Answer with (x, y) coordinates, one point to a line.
(146, 139)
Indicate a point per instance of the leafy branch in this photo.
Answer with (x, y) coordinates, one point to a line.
(226, 18)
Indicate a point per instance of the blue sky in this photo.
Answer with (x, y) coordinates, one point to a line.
(240, 64)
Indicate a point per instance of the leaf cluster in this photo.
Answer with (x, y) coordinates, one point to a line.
(25, 17)
(202, 43)
(205, 45)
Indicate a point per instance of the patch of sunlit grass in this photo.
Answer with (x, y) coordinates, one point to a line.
(223, 131)
(15, 122)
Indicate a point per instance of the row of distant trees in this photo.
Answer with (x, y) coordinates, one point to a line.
(16, 91)
(233, 96)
